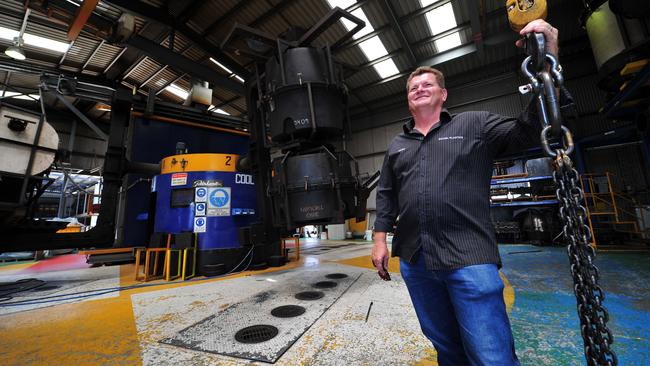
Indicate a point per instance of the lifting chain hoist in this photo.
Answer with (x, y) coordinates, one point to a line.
(545, 78)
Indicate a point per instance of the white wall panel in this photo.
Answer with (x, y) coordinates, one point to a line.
(364, 143)
(353, 144)
(378, 139)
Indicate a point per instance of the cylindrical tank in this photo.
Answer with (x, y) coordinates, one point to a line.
(19, 131)
(204, 194)
(307, 111)
(611, 36)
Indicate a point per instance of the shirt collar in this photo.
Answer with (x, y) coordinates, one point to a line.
(409, 126)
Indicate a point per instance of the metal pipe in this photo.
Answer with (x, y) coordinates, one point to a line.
(65, 54)
(81, 116)
(310, 97)
(62, 198)
(73, 133)
(32, 154)
(24, 25)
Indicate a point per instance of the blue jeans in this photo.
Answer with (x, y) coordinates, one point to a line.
(462, 313)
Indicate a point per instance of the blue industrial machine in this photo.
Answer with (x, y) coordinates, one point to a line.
(206, 195)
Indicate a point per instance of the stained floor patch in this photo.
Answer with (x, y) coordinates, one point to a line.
(544, 317)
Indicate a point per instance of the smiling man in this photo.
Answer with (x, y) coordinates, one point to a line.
(436, 179)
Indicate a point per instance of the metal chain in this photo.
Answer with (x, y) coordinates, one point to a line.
(589, 295)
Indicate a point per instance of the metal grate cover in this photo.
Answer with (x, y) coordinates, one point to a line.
(309, 295)
(216, 333)
(288, 311)
(256, 334)
(336, 276)
(45, 288)
(325, 284)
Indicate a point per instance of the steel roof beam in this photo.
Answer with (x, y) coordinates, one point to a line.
(159, 15)
(477, 33)
(388, 9)
(227, 15)
(184, 64)
(80, 18)
(273, 11)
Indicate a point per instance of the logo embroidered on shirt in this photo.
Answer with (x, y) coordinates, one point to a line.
(450, 138)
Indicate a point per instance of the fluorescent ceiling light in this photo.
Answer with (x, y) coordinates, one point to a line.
(8, 34)
(177, 91)
(343, 4)
(16, 95)
(103, 107)
(441, 19)
(214, 109)
(386, 68)
(373, 48)
(428, 2)
(35, 41)
(46, 43)
(221, 66)
(238, 77)
(448, 42)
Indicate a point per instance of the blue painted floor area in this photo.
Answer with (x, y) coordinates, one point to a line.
(544, 317)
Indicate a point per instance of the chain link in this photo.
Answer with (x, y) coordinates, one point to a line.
(589, 295)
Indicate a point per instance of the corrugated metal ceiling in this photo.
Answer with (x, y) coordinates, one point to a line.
(275, 17)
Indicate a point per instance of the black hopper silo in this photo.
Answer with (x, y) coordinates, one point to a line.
(298, 106)
(306, 100)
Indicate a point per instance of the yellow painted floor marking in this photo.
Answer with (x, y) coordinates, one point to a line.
(10, 268)
(96, 332)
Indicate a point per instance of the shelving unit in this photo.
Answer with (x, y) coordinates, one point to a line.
(532, 201)
(517, 197)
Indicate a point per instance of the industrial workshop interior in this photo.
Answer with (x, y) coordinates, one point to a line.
(211, 182)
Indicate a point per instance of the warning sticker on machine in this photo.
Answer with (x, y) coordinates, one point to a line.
(199, 225)
(219, 201)
(179, 179)
(200, 194)
(199, 209)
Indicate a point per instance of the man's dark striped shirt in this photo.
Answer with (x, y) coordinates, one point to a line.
(439, 184)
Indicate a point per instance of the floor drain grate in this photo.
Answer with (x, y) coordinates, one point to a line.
(309, 295)
(325, 284)
(256, 334)
(287, 311)
(336, 276)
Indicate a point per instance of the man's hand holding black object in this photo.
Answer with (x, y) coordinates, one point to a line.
(380, 256)
(550, 35)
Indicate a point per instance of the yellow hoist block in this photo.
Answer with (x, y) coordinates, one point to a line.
(522, 12)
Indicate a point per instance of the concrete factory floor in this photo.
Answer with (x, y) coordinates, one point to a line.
(359, 320)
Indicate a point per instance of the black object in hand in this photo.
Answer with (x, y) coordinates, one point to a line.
(384, 275)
